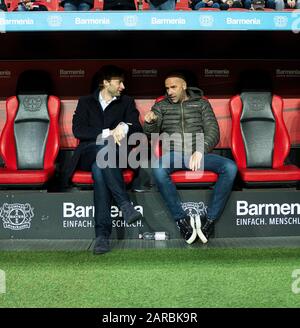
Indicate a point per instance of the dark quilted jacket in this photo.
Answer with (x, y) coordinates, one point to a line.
(194, 115)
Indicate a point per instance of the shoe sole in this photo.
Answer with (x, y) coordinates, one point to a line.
(100, 252)
(194, 234)
(139, 216)
(199, 231)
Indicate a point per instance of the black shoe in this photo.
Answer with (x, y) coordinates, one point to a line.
(187, 229)
(130, 215)
(208, 228)
(101, 245)
(199, 230)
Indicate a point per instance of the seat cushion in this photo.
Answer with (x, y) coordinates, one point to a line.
(194, 177)
(283, 173)
(19, 177)
(85, 177)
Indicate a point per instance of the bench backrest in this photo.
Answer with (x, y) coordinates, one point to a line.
(220, 106)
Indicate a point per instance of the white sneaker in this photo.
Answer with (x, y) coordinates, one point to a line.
(199, 231)
(194, 234)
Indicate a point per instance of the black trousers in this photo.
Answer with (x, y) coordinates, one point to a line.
(108, 185)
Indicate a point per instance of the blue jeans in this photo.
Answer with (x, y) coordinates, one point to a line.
(74, 6)
(269, 4)
(168, 5)
(108, 185)
(204, 5)
(224, 167)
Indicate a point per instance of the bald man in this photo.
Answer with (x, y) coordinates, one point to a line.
(185, 112)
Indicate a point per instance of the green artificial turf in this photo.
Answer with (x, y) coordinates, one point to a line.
(152, 278)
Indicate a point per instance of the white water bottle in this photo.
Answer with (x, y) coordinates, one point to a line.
(158, 235)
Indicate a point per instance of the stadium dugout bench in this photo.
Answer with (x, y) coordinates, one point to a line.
(221, 109)
(29, 142)
(260, 141)
(185, 178)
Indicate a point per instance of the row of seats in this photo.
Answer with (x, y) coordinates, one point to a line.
(29, 142)
(54, 5)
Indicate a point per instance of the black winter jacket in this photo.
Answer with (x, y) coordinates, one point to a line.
(89, 120)
(194, 115)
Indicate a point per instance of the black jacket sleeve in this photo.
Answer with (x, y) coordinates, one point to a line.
(155, 126)
(80, 124)
(132, 117)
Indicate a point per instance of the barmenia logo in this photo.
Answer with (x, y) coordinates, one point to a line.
(244, 208)
(78, 216)
(70, 210)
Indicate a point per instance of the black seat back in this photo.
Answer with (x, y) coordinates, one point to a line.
(31, 124)
(258, 128)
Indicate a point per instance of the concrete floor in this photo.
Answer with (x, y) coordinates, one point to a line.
(87, 244)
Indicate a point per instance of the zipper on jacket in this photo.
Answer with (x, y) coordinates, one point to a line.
(182, 115)
(182, 125)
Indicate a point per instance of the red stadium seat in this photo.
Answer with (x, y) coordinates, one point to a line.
(237, 9)
(209, 9)
(98, 5)
(29, 142)
(145, 5)
(84, 178)
(52, 5)
(182, 5)
(260, 142)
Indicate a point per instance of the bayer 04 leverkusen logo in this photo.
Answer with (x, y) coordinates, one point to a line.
(16, 216)
(194, 209)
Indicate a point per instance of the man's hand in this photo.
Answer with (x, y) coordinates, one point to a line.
(118, 133)
(150, 117)
(195, 161)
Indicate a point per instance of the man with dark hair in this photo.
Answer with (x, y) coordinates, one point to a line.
(108, 115)
(186, 113)
(119, 5)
